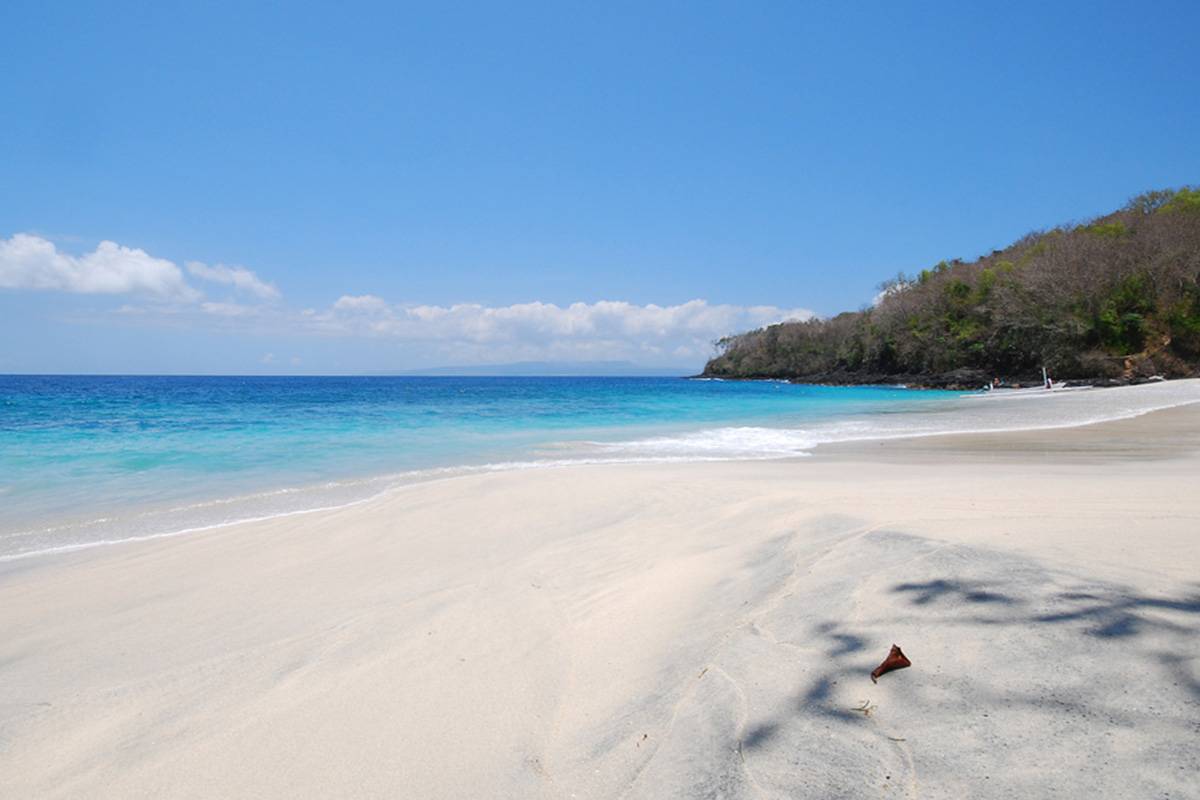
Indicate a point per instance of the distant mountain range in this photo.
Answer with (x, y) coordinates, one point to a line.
(553, 369)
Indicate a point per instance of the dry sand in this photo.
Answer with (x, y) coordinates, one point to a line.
(701, 630)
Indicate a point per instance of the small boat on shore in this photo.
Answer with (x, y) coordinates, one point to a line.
(1048, 387)
(1032, 391)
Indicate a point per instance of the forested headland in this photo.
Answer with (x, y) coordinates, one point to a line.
(1112, 300)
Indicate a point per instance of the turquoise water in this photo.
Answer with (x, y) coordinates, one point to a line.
(93, 458)
(88, 460)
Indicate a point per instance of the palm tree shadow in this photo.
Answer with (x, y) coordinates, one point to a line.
(943, 588)
(1104, 612)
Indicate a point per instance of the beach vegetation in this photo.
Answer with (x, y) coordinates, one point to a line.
(1116, 295)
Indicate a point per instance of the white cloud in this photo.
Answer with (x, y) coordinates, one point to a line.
(449, 334)
(889, 288)
(363, 302)
(229, 309)
(31, 262)
(601, 330)
(883, 294)
(239, 278)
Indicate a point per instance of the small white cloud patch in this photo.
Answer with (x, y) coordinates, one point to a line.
(239, 278)
(368, 303)
(228, 309)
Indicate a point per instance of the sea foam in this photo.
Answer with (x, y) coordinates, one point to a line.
(775, 435)
(1002, 411)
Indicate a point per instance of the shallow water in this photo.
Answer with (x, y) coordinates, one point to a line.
(86, 460)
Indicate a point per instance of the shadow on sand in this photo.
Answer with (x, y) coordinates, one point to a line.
(1150, 633)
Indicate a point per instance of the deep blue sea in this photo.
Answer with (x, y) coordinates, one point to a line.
(87, 460)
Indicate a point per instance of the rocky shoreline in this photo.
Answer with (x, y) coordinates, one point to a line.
(955, 380)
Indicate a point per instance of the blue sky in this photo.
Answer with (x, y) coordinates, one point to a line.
(369, 187)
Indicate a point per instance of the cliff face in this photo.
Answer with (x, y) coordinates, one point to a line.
(1116, 299)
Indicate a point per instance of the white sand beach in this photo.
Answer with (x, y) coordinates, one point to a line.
(656, 631)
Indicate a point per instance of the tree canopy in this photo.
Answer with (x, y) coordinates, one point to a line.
(1114, 298)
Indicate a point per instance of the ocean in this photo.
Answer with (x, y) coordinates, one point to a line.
(88, 460)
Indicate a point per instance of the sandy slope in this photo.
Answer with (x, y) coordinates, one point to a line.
(696, 630)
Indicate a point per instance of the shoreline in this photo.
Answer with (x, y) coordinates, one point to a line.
(1161, 434)
(964, 380)
(883, 446)
(640, 630)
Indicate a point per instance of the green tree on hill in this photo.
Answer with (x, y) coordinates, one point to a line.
(1116, 297)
